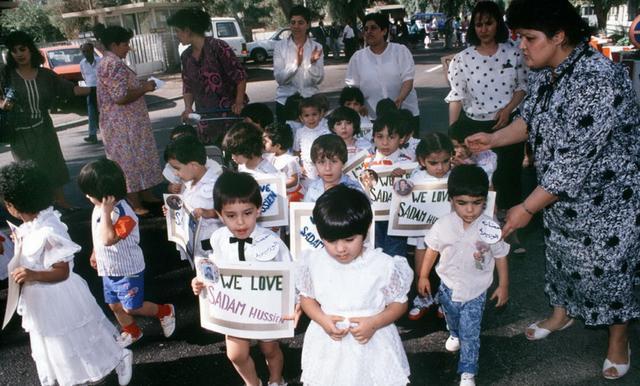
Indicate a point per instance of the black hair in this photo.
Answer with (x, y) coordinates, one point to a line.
(309, 102)
(468, 180)
(244, 139)
(381, 20)
(234, 187)
(280, 134)
(491, 9)
(388, 121)
(550, 17)
(329, 146)
(385, 106)
(343, 113)
(115, 35)
(433, 143)
(25, 186)
(322, 101)
(259, 113)
(292, 107)
(404, 119)
(197, 20)
(300, 10)
(342, 212)
(183, 129)
(19, 38)
(351, 94)
(185, 149)
(102, 178)
(462, 128)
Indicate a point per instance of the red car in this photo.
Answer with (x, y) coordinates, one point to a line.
(64, 61)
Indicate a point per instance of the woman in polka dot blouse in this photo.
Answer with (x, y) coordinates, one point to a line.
(583, 123)
(488, 82)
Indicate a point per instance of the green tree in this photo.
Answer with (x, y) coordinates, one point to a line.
(32, 19)
(602, 8)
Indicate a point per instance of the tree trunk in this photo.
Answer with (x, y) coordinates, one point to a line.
(602, 13)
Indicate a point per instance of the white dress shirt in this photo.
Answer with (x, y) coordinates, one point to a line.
(265, 246)
(291, 78)
(89, 71)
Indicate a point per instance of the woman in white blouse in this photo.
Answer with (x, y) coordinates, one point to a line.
(383, 70)
(298, 65)
(488, 82)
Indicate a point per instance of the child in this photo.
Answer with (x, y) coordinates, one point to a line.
(408, 141)
(434, 153)
(116, 254)
(303, 138)
(278, 139)
(352, 294)
(323, 104)
(487, 160)
(329, 154)
(186, 155)
(175, 183)
(72, 341)
(466, 266)
(386, 137)
(292, 112)
(245, 143)
(345, 123)
(257, 113)
(353, 98)
(238, 201)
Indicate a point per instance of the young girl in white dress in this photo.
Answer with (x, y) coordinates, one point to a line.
(72, 342)
(353, 295)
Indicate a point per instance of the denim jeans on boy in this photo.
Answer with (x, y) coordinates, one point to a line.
(391, 245)
(92, 112)
(464, 319)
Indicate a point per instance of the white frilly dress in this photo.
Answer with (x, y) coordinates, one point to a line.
(72, 341)
(363, 287)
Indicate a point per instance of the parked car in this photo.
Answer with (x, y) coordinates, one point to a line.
(65, 60)
(261, 50)
(227, 29)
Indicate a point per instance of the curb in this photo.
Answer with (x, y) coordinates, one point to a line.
(80, 122)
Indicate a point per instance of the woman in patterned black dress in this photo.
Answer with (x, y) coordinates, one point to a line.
(583, 124)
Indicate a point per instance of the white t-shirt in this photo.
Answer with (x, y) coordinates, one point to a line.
(200, 195)
(485, 84)
(457, 267)
(302, 142)
(264, 167)
(381, 76)
(286, 163)
(291, 78)
(410, 150)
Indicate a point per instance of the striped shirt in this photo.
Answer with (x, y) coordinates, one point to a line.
(125, 257)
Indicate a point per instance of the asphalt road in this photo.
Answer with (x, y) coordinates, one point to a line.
(194, 356)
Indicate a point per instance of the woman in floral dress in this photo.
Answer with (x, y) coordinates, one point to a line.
(124, 120)
(583, 124)
(212, 76)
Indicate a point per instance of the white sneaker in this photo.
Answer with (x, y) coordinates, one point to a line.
(168, 323)
(127, 339)
(467, 379)
(452, 344)
(124, 369)
(283, 383)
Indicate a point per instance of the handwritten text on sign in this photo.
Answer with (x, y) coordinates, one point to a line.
(248, 300)
(413, 214)
(274, 211)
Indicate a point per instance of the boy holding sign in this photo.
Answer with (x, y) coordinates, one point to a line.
(469, 246)
(237, 202)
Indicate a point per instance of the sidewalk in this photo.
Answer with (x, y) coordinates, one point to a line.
(171, 91)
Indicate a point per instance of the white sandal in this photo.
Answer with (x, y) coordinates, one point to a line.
(541, 333)
(621, 369)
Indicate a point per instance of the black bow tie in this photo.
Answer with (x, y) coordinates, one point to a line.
(240, 242)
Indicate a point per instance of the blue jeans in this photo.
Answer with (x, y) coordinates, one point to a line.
(464, 319)
(92, 112)
(391, 245)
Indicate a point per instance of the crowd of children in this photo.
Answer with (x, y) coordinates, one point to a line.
(352, 293)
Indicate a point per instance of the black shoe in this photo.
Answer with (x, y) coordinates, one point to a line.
(91, 139)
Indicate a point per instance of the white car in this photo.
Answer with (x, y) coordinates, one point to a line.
(227, 29)
(261, 50)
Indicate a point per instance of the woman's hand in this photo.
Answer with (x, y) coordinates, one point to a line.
(479, 142)
(364, 330)
(329, 326)
(517, 217)
(316, 54)
(185, 114)
(238, 105)
(502, 118)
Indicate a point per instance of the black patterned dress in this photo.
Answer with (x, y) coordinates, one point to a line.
(584, 128)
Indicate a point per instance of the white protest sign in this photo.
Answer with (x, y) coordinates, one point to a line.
(380, 190)
(412, 214)
(182, 225)
(275, 204)
(304, 234)
(13, 293)
(354, 165)
(247, 300)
